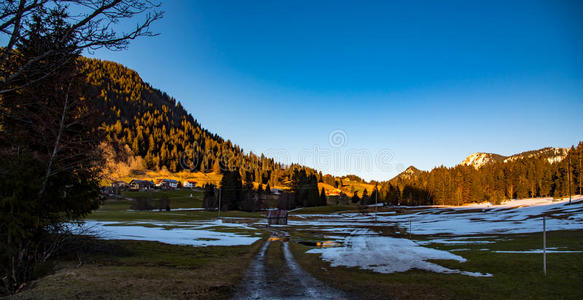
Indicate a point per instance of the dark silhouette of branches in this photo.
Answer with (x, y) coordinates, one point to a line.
(50, 120)
(93, 26)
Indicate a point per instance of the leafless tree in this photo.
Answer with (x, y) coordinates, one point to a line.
(49, 120)
(90, 25)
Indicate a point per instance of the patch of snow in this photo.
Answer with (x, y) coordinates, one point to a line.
(334, 237)
(170, 233)
(539, 251)
(172, 209)
(479, 159)
(383, 254)
(516, 216)
(338, 230)
(453, 242)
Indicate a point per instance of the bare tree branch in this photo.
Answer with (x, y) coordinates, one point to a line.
(57, 141)
(89, 31)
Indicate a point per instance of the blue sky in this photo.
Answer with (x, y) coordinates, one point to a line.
(428, 82)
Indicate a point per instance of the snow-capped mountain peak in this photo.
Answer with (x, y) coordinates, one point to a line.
(480, 159)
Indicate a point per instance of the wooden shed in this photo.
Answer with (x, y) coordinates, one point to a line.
(277, 217)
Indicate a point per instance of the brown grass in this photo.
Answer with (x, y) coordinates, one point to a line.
(147, 270)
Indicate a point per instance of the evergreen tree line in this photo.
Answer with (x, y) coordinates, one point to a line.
(233, 194)
(494, 182)
(305, 187)
(366, 199)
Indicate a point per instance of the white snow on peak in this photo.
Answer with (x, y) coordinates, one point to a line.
(479, 159)
(554, 155)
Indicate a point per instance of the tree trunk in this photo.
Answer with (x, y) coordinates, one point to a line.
(56, 147)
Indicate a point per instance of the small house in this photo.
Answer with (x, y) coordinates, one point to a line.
(189, 184)
(141, 185)
(277, 217)
(166, 184)
(119, 184)
(335, 192)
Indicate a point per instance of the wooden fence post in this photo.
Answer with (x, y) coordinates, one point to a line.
(544, 246)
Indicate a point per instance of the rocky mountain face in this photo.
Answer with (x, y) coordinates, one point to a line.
(479, 159)
(409, 173)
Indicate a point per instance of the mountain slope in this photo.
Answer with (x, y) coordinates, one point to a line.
(156, 127)
(480, 159)
(553, 155)
(409, 173)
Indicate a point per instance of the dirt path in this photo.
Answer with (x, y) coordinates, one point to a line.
(289, 281)
(256, 284)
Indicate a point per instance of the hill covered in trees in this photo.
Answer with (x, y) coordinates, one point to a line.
(157, 133)
(156, 127)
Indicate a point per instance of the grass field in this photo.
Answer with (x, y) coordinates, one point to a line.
(141, 269)
(121, 209)
(514, 275)
(178, 198)
(144, 270)
(323, 209)
(150, 269)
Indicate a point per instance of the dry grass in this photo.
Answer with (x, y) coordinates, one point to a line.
(516, 276)
(147, 270)
(348, 188)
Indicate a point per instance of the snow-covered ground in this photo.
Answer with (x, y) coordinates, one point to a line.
(518, 216)
(195, 233)
(472, 224)
(173, 209)
(361, 246)
(516, 203)
(383, 254)
(538, 251)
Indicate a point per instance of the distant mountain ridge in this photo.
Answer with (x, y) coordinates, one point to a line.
(480, 159)
(489, 177)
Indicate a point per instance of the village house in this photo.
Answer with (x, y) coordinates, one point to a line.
(189, 184)
(119, 184)
(276, 191)
(335, 192)
(166, 184)
(141, 185)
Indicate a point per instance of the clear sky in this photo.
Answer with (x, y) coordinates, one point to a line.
(421, 83)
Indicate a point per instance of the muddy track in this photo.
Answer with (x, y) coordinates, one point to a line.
(287, 282)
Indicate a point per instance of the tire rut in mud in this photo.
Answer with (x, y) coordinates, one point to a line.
(275, 274)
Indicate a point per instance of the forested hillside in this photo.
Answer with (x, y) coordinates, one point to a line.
(524, 175)
(157, 128)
